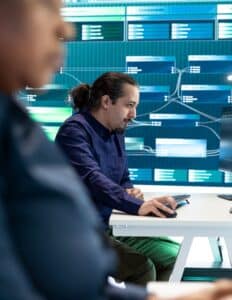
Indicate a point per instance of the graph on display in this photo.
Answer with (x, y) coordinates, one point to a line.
(180, 52)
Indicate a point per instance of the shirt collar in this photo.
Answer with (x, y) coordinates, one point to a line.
(100, 129)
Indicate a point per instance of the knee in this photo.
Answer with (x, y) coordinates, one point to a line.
(146, 272)
(171, 259)
(150, 269)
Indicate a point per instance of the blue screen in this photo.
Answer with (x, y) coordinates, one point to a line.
(225, 158)
(180, 54)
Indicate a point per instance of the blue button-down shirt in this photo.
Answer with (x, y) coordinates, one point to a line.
(98, 156)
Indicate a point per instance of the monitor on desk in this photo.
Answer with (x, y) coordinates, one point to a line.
(180, 54)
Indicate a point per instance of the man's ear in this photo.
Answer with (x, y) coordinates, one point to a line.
(105, 102)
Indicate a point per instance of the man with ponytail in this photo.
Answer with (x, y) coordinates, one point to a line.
(93, 140)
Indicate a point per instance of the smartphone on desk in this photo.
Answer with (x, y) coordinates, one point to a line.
(181, 199)
(225, 196)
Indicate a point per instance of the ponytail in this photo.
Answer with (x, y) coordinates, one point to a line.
(80, 96)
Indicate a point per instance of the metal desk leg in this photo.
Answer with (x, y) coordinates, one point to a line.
(178, 269)
(228, 242)
(216, 250)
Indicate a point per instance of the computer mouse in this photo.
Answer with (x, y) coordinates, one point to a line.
(180, 201)
(167, 214)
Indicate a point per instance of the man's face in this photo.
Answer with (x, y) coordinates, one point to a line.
(35, 46)
(124, 110)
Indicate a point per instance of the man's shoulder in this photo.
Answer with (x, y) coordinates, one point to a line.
(76, 123)
(12, 111)
(77, 118)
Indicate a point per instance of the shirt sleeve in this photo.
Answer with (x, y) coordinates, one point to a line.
(76, 144)
(126, 182)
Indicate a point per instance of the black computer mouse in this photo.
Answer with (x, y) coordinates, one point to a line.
(180, 200)
(167, 214)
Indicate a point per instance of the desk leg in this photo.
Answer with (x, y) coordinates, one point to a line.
(216, 250)
(228, 242)
(178, 269)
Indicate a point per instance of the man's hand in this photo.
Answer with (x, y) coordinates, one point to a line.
(156, 205)
(137, 193)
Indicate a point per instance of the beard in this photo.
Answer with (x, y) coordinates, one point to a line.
(122, 129)
(119, 130)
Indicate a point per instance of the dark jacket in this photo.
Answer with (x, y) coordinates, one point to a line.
(51, 243)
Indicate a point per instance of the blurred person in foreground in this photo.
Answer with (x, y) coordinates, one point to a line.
(43, 206)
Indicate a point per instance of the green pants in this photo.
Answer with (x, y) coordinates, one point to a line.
(149, 258)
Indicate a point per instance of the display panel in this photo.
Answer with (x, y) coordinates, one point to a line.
(225, 159)
(180, 54)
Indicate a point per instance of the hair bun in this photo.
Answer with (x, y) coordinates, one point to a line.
(80, 96)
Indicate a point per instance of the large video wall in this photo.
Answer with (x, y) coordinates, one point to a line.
(180, 52)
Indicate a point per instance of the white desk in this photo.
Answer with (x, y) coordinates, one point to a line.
(205, 216)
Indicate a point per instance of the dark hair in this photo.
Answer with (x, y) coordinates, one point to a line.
(110, 83)
(80, 96)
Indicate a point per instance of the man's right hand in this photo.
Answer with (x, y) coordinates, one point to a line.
(156, 205)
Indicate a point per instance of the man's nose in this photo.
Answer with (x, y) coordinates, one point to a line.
(133, 113)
